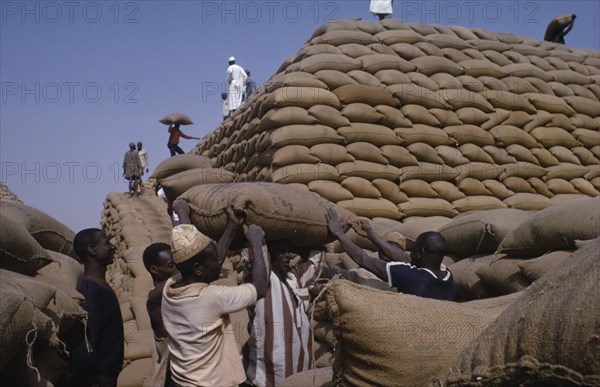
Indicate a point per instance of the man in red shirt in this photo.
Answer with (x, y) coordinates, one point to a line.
(174, 136)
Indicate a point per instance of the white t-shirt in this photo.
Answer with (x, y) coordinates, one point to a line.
(202, 342)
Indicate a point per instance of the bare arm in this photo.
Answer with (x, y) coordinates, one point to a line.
(233, 222)
(374, 265)
(394, 253)
(153, 305)
(182, 209)
(260, 277)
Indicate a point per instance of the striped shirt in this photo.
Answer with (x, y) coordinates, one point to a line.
(279, 344)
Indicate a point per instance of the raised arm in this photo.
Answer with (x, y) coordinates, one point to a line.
(260, 277)
(182, 209)
(374, 265)
(233, 222)
(394, 253)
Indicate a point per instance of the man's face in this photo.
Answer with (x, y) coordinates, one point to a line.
(166, 267)
(212, 267)
(139, 146)
(281, 264)
(104, 250)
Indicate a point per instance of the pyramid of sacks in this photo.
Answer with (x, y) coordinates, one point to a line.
(393, 119)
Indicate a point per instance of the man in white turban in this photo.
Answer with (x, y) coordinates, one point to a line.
(236, 76)
(196, 312)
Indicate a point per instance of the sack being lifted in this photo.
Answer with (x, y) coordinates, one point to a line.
(284, 212)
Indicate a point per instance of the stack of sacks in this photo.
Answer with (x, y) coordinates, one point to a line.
(7, 194)
(549, 336)
(39, 303)
(395, 120)
(132, 225)
(179, 173)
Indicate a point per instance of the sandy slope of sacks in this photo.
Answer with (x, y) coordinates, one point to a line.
(38, 303)
(391, 119)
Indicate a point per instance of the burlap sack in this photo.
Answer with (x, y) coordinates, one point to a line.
(288, 115)
(375, 134)
(451, 155)
(427, 207)
(481, 232)
(371, 208)
(418, 188)
(425, 134)
(476, 153)
(329, 116)
(335, 79)
(527, 201)
(545, 337)
(330, 190)
(307, 135)
(367, 152)
(180, 163)
(555, 228)
(361, 112)
(447, 190)
(535, 268)
(372, 95)
(332, 154)
(360, 187)
(176, 118)
(369, 170)
(503, 275)
(283, 212)
(46, 230)
(477, 203)
(409, 93)
(390, 191)
(287, 155)
(467, 284)
(426, 337)
(178, 183)
(318, 62)
(304, 173)
(398, 156)
(463, 134)
(19, 252)
(428, 172)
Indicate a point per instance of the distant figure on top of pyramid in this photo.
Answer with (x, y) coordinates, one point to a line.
(559, 27)
(236, 76)
(381, 8)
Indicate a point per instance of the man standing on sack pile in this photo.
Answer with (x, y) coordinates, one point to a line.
(236, 76)
(196, 313)
(421, 273)
(132, 169)
(381, 8)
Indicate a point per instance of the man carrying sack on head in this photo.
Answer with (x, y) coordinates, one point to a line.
(196, 313)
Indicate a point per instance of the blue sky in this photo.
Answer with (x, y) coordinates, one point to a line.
(82, 79)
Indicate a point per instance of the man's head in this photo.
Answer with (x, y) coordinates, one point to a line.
(93, 244)
(195, 255)
(231, 60)
(224, 95)
(429, 249)
(281, 257)
(139, 145)
(158, 260)
(247, 72)
(131, 146)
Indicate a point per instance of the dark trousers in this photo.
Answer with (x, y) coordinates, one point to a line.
(174, 148)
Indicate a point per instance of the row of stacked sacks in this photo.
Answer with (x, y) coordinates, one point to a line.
(39, 303)
(501, 239)
(478, 120)
(132, 224)
(525, 263)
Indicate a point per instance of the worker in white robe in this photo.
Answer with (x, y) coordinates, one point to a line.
(381, 8)
(236, 76)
